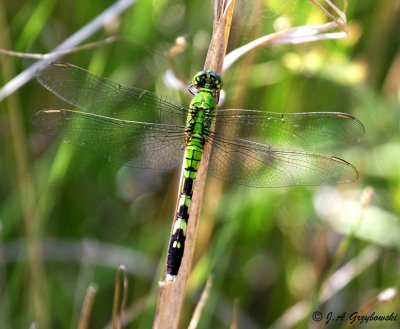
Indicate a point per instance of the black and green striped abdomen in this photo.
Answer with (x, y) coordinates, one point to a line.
(197, 131)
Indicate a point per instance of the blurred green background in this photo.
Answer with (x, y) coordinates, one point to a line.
(68, 218)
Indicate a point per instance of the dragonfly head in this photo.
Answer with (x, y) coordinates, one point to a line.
(207, 81)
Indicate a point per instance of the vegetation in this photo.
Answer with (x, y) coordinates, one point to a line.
(69, 219)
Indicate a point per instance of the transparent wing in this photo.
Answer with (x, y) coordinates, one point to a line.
(104, 97)
(135, 144)
(253, 164)
(311, 131)
(147, 131)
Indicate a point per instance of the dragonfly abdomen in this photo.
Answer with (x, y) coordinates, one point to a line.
(178, 237)
(193, 154)
(197, 131)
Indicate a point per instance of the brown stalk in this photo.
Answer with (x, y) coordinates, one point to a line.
(171, 296)
(201, 304)
(119, 299)
(87, 307)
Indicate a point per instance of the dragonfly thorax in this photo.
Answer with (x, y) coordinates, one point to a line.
(207, 81)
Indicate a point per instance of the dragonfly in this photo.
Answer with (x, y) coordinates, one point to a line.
(141, 129)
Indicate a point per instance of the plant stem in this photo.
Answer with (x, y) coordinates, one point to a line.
(170, 299)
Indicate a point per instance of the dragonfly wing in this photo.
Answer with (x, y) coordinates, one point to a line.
(312, 130)
(105, 97)
(254, 164)
(135, 144)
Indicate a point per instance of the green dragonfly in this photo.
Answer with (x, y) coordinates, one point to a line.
(141, 129)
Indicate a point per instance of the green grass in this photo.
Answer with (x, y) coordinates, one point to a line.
(269, 249)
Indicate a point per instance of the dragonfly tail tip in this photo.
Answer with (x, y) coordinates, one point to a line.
(168, 280)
